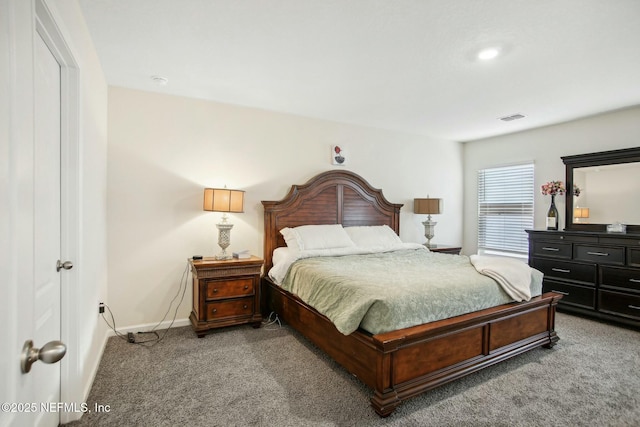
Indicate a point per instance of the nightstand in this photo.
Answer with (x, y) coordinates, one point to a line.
(225, 293)
(445, 249)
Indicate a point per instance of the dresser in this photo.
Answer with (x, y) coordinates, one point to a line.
(598, 273)
(225, 293)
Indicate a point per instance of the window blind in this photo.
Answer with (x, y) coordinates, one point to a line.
(505, 208)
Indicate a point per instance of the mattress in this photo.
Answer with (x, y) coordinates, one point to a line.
(385, 291)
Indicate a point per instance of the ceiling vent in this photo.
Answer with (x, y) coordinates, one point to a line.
(510, 118)
(160, 80)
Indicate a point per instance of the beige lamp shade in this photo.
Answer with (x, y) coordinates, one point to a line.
(427, 206)
(581, 213)
(223, 200)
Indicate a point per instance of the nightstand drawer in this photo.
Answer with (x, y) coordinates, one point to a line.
(599, 254)
(223, 309)
(571, 271)
(229, 288)
(552, 249)
(581, 296)
(619, 303)
(628, 278)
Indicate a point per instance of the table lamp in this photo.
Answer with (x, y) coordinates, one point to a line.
(223, 200)
(579, 213)
(430, 207)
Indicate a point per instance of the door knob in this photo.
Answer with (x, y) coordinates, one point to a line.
(51, 352)
(67, 265)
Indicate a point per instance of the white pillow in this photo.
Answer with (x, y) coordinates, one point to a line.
(307, 237)
(280, 254)
(373, 236)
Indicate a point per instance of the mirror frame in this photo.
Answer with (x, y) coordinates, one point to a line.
(613, 157)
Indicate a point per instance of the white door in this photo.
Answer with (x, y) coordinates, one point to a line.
(46, 298)
(32, 309)
(38, 103)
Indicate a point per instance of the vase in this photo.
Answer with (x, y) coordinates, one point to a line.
(552, 215)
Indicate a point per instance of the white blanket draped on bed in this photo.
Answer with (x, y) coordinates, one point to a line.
(512, 274)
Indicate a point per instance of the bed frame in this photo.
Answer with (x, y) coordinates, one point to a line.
(399, 364)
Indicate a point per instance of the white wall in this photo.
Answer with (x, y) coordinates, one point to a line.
(163, 150)
(543, 146)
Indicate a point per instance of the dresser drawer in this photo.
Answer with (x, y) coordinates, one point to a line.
(581, 296)
(619, 303)
(633, 257)
(599, 254)
(229, 288)
(552, 249)
(565, 270)
(223, 309)
(628, 278)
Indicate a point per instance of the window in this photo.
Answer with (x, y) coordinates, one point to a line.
(505, 209)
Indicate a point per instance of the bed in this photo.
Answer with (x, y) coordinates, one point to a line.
(402, 363)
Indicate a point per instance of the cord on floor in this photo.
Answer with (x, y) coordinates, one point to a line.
(156, 338)
(270, 322)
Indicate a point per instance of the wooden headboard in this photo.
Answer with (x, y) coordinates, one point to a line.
(333, 197)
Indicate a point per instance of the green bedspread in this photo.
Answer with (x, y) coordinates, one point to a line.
(382, 292)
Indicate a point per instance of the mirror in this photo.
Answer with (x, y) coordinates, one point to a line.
(605, 189)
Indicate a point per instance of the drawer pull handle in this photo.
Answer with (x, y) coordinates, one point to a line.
(560, 292)
(244, 306)
(246, 287)
(635, 307)
(598, 253)
(561, 270)
(215, 290)
(214, 310)
(550, 249)
(635, 280)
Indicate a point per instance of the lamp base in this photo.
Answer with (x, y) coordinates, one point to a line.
(429, 230)
(224, 239)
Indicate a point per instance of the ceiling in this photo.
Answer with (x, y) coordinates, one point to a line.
(404, 65)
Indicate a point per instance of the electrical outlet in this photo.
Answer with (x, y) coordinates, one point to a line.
(100, 307)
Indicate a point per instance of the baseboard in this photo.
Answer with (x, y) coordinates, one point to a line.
(85, 387)
(144, 327)
(94, 370)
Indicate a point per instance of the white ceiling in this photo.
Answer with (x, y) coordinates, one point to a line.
(405, 65)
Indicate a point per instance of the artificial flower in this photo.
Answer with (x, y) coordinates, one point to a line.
(552, 188)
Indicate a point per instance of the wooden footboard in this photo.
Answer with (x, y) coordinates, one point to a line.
(400, 364)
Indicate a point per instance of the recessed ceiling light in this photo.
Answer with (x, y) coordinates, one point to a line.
(489, 53)
(159, 80)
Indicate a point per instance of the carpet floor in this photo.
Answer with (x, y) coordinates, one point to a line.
(240, 376)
